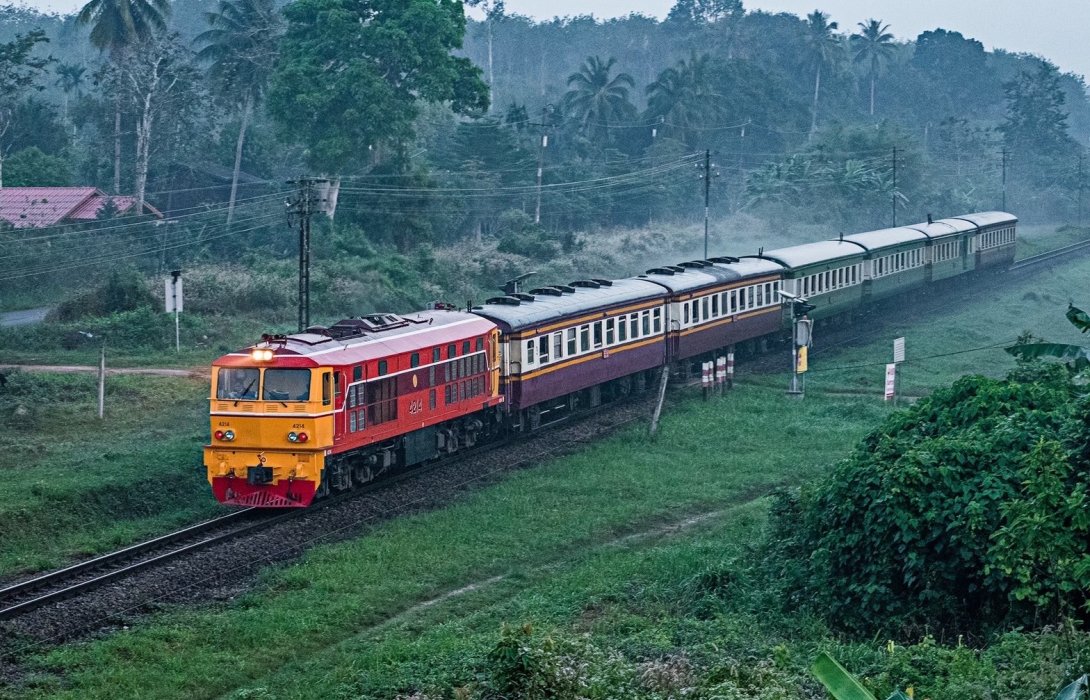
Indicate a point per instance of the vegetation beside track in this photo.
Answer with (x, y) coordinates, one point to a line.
(76, 485)
(538, 525)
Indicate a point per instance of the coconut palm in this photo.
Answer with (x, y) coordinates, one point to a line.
(823, 48)
(873, 46)
(69, 80)
(596, 99)
(116, 27)
(240, 47)
(683, 97)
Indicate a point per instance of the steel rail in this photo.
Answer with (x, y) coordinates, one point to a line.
(1040, 258)
(119, 559)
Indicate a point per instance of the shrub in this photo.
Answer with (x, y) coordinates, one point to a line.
(965, 511)
(123, 290)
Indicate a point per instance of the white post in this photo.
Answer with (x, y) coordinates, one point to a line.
(177, 332)
(102, 381)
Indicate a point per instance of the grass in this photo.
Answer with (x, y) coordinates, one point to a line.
(342, 621)
(77, 485)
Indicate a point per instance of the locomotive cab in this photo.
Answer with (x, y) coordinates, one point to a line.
(270, 428)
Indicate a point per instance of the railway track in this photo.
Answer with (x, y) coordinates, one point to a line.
(1056, 254)
(73, 580)
(82, 577)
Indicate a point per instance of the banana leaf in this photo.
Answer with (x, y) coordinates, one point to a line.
(1077, 355)
(1079, 318)
(1079, 690)
(836, 679)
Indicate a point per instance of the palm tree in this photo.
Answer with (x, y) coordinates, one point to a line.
(824, 47)
(873, 46)
(240, 47)
(596, 99)
(117, 26)
(685, 97)
(69, 80)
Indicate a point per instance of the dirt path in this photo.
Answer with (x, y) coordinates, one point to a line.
(196, 373)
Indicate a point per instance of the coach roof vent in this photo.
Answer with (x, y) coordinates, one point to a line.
(724, 260)
(589, 284)
(563, 288)
(547, 291)
(504, 301)
(522, 296)
(660, 271)
(604, 283)
(695, 264)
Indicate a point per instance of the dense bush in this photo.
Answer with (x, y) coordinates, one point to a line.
(966, 511)
(123, 290)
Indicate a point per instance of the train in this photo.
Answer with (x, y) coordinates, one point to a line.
(298, 417)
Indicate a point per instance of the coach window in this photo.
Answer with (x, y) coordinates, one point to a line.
(734, 301)
(622, 330)
(571, 341)
(338, 384)
(480, 344)
(705, 312)
(645, 322)
(237, 383)
(382, 367)
(686, 314)
(414, 360)
(749, 297)
(558, 345)
(611, 331)
(715, 306)
(543, 349)
(657, 315)
(760, 295)
(465, 347)
(597, 334)
(452, 351)
(435, 354)
(584, 338)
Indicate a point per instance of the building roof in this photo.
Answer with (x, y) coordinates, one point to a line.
(36, 207)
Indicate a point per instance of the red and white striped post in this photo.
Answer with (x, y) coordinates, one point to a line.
(720, 373)
(730, 370)
(706, 378)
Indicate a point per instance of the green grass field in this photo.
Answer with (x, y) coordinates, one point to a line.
(553, 545)
(581, 545)
(77, 485)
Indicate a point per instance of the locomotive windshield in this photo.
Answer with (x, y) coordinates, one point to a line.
(237, 384)
(286, 385)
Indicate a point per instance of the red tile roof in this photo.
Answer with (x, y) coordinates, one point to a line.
(35, 207)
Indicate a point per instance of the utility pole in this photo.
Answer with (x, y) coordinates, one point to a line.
(301, 209)
(1004, 205)
(708, 172)
(894, 195)
(1079, 217)
(546, 112)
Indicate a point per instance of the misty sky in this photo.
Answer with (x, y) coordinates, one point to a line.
(1055, 29)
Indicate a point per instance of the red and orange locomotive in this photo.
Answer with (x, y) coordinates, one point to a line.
(294, 417)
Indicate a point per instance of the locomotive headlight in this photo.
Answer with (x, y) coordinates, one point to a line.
(261, 354)
(293, 437)
(228, 435)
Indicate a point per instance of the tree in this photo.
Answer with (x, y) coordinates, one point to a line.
(241, 49)
(155, 79)
(873, 46)
(352, 72)
(19, 72)
(597, 100)
(703, 11)
(1036, 121)
(493, 12)
(117, 27)
(69, 80)
(824, 48)
(684, 98)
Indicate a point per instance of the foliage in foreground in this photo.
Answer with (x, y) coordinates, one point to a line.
(967, 512)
